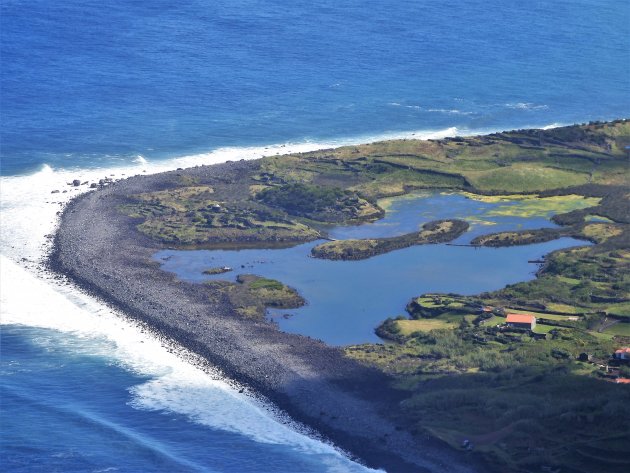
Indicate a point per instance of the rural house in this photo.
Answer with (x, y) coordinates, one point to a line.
(622, 354)
(521, 321)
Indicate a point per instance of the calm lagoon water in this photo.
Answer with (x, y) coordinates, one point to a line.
(346, 300)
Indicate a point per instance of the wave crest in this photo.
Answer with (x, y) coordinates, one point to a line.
(526, 106)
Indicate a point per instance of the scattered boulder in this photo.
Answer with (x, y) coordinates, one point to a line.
(76, 183)
(56, 191)
(219, 270)
(93, 185)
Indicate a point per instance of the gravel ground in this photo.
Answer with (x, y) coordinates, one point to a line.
(316, 385)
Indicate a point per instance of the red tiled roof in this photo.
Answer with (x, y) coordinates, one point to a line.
(622, 381)
(520, 319)
(623, 350)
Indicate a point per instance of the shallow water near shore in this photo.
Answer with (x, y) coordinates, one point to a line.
(51, 379)
(346, 300)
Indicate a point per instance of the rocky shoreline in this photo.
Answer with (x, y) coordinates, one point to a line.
(99, 248)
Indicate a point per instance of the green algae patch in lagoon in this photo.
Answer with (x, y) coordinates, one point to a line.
(347, 300)
(439, 231)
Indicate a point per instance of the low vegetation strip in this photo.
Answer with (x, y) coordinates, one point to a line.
(254, 294)
(325, 204)
(526, 237)
(295, 198)
(439, 231)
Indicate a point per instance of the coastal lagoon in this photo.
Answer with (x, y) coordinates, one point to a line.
(98, 89)
(346, 300)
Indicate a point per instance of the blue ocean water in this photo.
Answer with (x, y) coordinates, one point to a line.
(96, 84)
(66, 408)
(92, 83)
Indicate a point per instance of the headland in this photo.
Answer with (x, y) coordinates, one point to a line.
(360, 398)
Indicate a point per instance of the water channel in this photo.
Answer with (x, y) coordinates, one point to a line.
(346, 300)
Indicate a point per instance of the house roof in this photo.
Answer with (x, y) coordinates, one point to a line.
(520, 319)
(622, 381)
(623, 350)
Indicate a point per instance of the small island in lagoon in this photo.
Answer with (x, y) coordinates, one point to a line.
(438, 231)
(454, 371)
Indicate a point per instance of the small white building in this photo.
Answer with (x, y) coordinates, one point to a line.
(525, 321)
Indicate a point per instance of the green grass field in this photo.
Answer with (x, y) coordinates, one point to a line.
(521, 177)
(544, 206)
(407, 327)
(622, 329)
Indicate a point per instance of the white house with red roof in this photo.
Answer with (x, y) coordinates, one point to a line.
(622, 354)
(525, 321)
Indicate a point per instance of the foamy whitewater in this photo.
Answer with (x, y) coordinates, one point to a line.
(32, 297)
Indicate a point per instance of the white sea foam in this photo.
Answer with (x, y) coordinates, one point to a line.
(526, 106)
(141, 160)
(552, 126)
(448, 111)
(451, 111)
